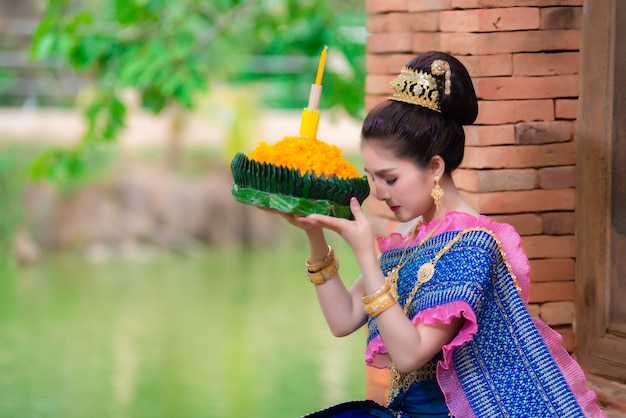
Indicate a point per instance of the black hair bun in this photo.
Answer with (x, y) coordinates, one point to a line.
(461, 104)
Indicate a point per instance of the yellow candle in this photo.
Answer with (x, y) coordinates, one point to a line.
(320, 68)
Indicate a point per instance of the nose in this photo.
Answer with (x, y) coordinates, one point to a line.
(381, 194)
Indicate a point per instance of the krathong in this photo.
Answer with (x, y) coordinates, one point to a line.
(300, 174)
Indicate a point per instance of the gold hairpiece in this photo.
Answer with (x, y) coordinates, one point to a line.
(419, 87)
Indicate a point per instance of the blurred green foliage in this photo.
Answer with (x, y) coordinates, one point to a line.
(171, 52)
(13, 163)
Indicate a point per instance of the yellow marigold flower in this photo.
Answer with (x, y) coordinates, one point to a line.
(305, 154)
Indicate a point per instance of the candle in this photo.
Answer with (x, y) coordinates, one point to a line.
(320, 68)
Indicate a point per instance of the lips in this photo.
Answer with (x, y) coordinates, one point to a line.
(394, 208)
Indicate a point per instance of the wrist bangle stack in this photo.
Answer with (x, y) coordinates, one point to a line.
(382, 299)
(315, 267)
(324, 270)
(381, 303)
(387, 286)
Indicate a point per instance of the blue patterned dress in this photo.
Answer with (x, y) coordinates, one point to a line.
(500, 364)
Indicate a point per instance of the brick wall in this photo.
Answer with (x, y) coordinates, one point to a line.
(519, 164)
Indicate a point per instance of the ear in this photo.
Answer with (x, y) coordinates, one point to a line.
(437, 167)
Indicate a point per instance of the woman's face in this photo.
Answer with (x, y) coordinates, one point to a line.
(399, 182)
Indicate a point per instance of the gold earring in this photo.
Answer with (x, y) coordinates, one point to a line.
(437, 193)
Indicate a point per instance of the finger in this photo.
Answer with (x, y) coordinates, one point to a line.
(329, 222)
(357, 212)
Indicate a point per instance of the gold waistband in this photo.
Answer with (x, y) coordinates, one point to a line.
(402, 382)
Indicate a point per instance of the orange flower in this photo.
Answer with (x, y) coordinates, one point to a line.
(305, 154)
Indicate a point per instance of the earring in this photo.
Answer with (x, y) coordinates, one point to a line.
(437, 193)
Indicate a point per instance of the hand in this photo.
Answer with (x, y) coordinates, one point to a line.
(295, 220)
(358, 233)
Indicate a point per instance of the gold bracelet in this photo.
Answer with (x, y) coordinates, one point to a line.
(325, 274)
(381, 304)
(387, 286)
(323, 263)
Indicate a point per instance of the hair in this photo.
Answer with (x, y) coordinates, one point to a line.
(419, 133)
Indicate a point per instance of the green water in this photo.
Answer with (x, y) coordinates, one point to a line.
(226, 333)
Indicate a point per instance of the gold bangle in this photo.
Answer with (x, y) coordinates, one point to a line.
(381, 304)
(323, 263)
(384, 288)
(390, 294)
(325, 274)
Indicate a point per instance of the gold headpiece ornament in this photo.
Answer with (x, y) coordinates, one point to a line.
(420, 87)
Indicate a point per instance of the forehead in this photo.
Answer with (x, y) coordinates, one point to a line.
(376, 152)
(377, 157)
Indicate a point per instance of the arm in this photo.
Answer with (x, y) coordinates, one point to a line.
(341, 307)
(409, 346)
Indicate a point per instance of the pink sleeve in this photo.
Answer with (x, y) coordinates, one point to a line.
(446, 374)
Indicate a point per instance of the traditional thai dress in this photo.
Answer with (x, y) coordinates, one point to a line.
(502, 362)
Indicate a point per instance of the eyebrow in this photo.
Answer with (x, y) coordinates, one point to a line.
(380, 172)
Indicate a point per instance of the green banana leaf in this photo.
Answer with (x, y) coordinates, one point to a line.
(290, 204)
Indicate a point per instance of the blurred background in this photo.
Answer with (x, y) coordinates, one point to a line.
(131, 282)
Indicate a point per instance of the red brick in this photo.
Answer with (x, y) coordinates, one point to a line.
(552, 270)
(426, 41)
(495, 180)
(489, 20)
(520, 156)
(423, 5)
(466, 179)
(377, 6)
(559, 63)
(548, 246)
(506, 88)
(551, 291)
(428, 5)
(561, 18)
(425, 22)
(525, 224)
(569, 337)
(559, 223)
(557, 177)
(566, 109)
(390, 64)
(378, 84)
(534, 309)
(522, 201)
(402, 22)
(371, 101)
(507, 42)
(389, 42)
(479, 136)
(558, 313)
(499, 112)
(488, 65)
(535, 133)
(377, 23)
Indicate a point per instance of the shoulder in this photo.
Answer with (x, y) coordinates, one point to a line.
(497, 241)
(459, 221)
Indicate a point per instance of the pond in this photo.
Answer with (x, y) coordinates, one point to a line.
(218, 333)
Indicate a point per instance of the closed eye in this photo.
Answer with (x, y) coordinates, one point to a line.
(391, 181)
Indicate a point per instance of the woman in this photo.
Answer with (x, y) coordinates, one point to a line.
(445, 302)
